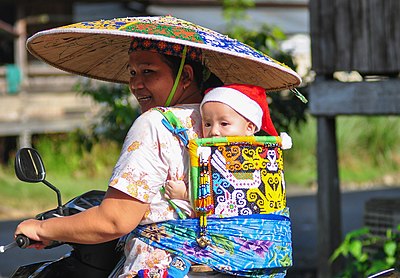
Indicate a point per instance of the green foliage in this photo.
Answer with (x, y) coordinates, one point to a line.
(366, 254)
(235, 9)
(300, 160)
(374, 149)
(117, 115)
(64, 155)
(367, 150)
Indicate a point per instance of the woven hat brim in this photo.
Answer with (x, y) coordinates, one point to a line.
(103, 54)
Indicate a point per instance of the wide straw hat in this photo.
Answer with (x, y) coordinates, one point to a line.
(99, 49)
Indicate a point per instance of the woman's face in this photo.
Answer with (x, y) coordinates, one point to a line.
(151, 79)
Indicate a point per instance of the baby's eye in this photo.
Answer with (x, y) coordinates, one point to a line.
(207, 125)
(224, 123)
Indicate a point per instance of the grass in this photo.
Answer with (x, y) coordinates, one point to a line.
(69, 167)
(300, 162)
(31, 198)
(368, 151)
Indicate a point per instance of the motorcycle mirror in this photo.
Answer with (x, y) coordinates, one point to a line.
(29, 166)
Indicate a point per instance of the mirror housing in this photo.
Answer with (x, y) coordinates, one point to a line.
(29, 166)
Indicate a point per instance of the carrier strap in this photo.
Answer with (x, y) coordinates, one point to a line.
(174, 125)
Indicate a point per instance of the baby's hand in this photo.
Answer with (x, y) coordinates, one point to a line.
(175, 190)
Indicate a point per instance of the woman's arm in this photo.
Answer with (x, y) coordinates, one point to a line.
(117, 215)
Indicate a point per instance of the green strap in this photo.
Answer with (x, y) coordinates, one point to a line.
(178, 77)
(172, 119)
(180, 213)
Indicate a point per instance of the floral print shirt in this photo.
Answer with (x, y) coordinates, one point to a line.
(150, 155)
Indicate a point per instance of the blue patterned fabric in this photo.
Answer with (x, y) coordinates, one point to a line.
(257, 245)
(223, 42)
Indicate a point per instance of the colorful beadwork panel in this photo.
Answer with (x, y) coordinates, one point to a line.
(233, 176)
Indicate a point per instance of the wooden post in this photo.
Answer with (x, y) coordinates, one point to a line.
(24, 139)
(21, 55)
(356, 35)
(21, 59)
(329, 98)
(328, 203)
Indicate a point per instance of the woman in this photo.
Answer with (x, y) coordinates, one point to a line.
(147, 159)
(164, 70)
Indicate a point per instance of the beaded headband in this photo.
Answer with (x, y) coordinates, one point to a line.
(166, 48)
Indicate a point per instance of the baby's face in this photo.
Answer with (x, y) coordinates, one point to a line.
(220, 120)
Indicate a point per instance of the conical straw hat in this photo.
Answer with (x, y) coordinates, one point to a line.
(99, 49)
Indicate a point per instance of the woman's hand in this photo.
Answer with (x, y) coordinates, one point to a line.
(29, 228)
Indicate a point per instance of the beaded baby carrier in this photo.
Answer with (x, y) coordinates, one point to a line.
(233, 176)
(237, 189)
(236, 176)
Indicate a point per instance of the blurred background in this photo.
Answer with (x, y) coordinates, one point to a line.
(345, 139)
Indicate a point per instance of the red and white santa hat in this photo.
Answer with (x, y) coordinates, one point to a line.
(248, 100)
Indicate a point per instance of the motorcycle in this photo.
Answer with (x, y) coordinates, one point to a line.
(84, 260)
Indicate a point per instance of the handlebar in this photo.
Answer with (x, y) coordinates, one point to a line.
(76, 205)
(23, 241)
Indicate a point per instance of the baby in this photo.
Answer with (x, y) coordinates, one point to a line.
(232, 110)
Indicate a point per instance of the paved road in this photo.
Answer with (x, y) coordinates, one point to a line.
(304, 222)
(303, 215)
(15, 257)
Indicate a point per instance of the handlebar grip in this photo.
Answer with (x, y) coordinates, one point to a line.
(23, 241)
